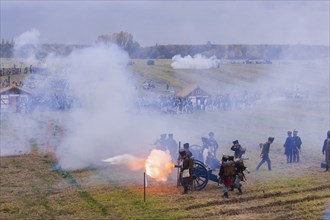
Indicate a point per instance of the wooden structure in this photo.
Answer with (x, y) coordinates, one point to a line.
(195, 94)
(14, 99)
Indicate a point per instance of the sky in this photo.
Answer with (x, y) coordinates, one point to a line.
(170, 22)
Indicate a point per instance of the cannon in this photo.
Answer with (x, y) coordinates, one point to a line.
(201, 174)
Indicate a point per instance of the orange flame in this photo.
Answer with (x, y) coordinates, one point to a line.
(159, 165)
(131, 162)
(170, 165)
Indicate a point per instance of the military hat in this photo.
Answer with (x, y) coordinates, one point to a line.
(235, 142)
(271, 139)
(182, 152)
(227, 157)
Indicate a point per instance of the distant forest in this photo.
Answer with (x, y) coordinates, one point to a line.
(240, 51)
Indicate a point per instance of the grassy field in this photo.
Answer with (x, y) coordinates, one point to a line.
(31, 189)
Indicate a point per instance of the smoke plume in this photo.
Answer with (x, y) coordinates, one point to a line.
(196, 62)
(27, 45)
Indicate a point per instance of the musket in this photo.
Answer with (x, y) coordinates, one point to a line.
(178, 183)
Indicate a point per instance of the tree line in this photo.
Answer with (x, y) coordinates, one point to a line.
(238, 51)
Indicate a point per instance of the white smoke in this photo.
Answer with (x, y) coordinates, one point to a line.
(27, 45)
(196, 62)
(28, 37)
(102, 121)
(99, 81)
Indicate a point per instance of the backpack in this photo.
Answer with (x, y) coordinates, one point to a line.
(228, 168)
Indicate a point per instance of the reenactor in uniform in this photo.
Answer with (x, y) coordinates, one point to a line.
(226, 172)
(288, 147)
(187, 164)
(205, 149)
(161, 143)
(186, 154)
(238, 149)
(239, 175)
(186, 148)
(326, 151)
(265, 154)
(297, 146)
(212, 144)
(172, 146)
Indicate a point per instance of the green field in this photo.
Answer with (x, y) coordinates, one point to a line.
(31, 189)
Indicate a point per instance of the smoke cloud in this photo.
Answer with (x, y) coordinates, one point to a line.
(27, 45)
(196, 62)
(102, 121)
(99, 82)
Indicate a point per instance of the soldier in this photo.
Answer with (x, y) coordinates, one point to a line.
(212, 144)
(288, 147)
(172, 146)
(226, 172)
(265, 154)
(238, 149)
(187, 164)
(186, 148)
(297, 146)
(239, 175)
(205, 149)
(161, 143)
(326, 151)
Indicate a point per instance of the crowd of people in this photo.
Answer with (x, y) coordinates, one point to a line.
(177, 105)
(172, 104)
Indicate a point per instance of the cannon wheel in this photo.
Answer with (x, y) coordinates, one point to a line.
(200, 176)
